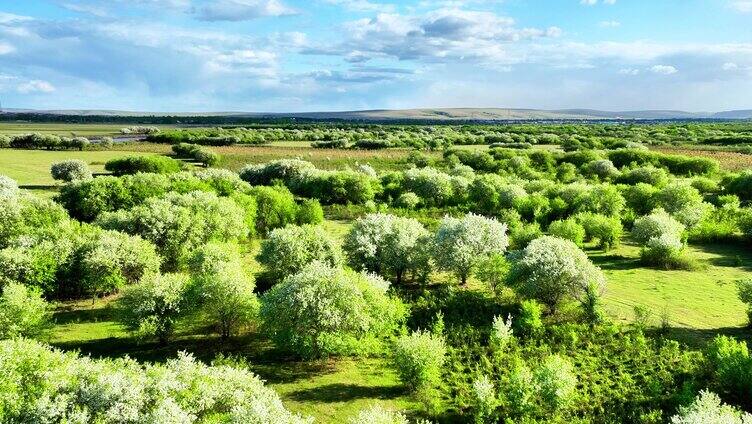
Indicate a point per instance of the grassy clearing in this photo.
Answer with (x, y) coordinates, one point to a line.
(86, 130)
(730, 161)
(31, 168)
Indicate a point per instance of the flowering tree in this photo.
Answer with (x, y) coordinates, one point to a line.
(287, 250)
(70, 170)
(462, 243)
(23, 312)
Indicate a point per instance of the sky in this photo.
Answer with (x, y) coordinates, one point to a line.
(329, 55)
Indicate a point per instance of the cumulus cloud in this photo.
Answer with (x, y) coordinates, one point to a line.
(664, 69)
(6, 48)
(730, 66)
(35, 86)
(242, 10)
(609, 24)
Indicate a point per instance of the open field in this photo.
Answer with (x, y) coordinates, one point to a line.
(730, 161)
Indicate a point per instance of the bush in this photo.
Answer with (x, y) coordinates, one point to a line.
(434, 187)
(550, 269)
(568, 229)
(152, 307)
(286, 170)
(676, 196)
(493, 271)
(179, 223)
(43, 385)
(530, 320)
(744, 291)
(329, 144)
(372, 144)
(323, 311)
(707, 408)
(288, 250)
(501, 332)
(731, 367)
(419, 359)
(276, 208)
(640, 198)
(665, 251)
(606, 229)
(23, 312)
(407, 200)
(224, 290)
(556, 381)
(388, 245)
(377, 415)
(603, 169)
(655, 225)
(650, 175)
(8, 186)
(461, 243)
(4, 141)
(524, 234)
(309, 212)
(149, 164)
(70, 170)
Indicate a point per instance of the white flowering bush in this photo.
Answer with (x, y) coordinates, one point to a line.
(285, 170)
(678, 195)
(367, 169)
(419, 359)
(657, 224)
(407, 200)
(43, 385)
(378, 415)
(484, 400)
(287, 250)
(556, 382)
(223, 289)
(707, 408)
(179, 223)
(323, 310)
(501, 331)
(8, 186)
(551, 269)
(461, 243)
(23, 312)
(153, 307)
(433, 186)
(603, 169)
(388, 245)
(665, 251)
(70, 170)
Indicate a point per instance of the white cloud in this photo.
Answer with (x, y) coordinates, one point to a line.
(730, 66)
(741, 6)
(362, 5)
(594, 2)
(6, 48)
(609, 24)
(242, 10)
(664, 69)
(629, 71)
(35, 86)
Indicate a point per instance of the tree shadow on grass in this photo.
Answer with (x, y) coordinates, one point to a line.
(342, 392)
(616, 262)
(698, 338)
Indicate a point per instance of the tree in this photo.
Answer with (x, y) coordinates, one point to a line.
(568, 229)
(152, 307)
(556, 382)
(462, 243)
(23, 312)
(288, 250)
(323, 310)
(179, 223)
(275, 208)
(223, 290)
(388, 245)
(70, 170)
(493, 271)
(419, 359)
(551, 269)
(676, 196)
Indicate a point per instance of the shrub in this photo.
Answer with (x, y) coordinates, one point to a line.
(493, 271)
(650, 175)
(484, 401)
(640, 198)
(524, 234)
(707, 408)
(556, 382)
(322, 311)
(372, 144)
(419, 359)
(69, 170)
(744, 291)
(434, 187)
(149, 164)
(276, 208)
(655, 225)
(676, 196)
(224, 290)
(309, 212)
(179, 223)
(329, 144)
(206, 157)
(4, 141)
(550, 269)
(461, 243)
(377, 415)
(407, 200)
(665, 251)
(8, 186)
(285, 170)
(388, 245)
(152, 307)
(603, 169)
(731, 367)
(43, 385)
(23, 312)
(606, 229)
(602, 199)
(568, 229)
(288, 250)
(501, 332)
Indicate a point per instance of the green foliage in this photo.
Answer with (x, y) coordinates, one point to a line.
(325, 311)
(493, 271)
(309, 212)
(288, 250)
(419, 358)
(136, 164)
(152, 307)
(607, 230)
(23, 312)
(707, 408)
(276, 208)
(568, 229)
(530, 320)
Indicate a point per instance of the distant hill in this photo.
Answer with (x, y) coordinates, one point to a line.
(438, 114)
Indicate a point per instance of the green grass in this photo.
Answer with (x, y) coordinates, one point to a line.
(703, 299)
(62, 129)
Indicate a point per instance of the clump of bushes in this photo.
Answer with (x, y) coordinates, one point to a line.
(198, 153)
(148, 164)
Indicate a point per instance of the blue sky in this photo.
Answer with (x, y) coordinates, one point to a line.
(315, 55)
